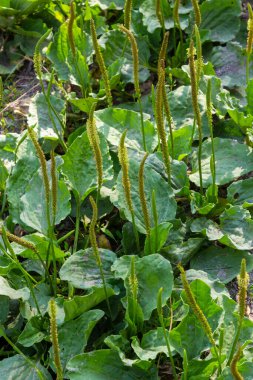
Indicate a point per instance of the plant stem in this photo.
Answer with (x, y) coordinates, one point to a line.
(161, 319)
(169, 119)
(94, 245)
(135, 232)
(142, 123)
(210, 122)
(78, 211)
(66, 236)
(243, 281)
(197, 115)
(155, 217)
(247, 67)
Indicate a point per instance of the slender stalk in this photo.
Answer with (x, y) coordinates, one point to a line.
(155, 218)
(43, 164)
(54, 186)
(123, 159)
(78, 212)
(199, 313)
(249, 41)
(135, 56)
(178, 25)
(160, 315)
(159, 14)
(194, 86)
(243, 281)
(143, 200)
(54, 340)
(210, 123)
(169, 119)
(70, 28)
(160, 121)
(95, 144)
(93, 241)
(64, 237)
(1, 92)
(185, 365)
(133, 283)
(54, 196)
(101, 63)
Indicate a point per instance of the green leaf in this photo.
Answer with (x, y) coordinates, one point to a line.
(240, 193)
(184, 335)
(249, 93)
(165, 202)
(41, 115)
(81, 269)
(218, 289)
(182, 112)
(8, 143)
(43, 295)
(80, 166)
(17, 367)
(26, 165)
(28, 6)
(7, 290)
(229, 62)
(237, 227)
(200, 204)
(119, 344)
(112, 122)
(221, 263)
(182, 251)
(32, 333)
(182, 139)
(199, 369)
(5, 3)
(79, 304)
(84, 104)
(152, 272)
(232, 160)
(34, 207)
(4, 307)
(73, 335)
(157, 238)
(150, 20)
(104, 365)
(68, 67)
(220, 19)
(107, 4)
(3, 175)
(152, 344)
(10, 57)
